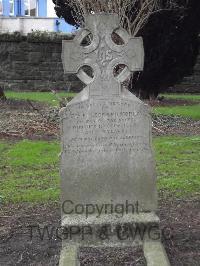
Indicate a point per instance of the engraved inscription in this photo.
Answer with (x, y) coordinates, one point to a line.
(100, 130)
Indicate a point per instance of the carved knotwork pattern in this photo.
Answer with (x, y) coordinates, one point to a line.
(102, 54)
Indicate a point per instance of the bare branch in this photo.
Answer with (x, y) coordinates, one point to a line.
(134, 14)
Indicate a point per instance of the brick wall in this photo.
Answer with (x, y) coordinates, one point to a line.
(29, 64)
(34, 63)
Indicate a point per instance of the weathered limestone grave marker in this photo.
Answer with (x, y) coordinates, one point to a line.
(107, 164)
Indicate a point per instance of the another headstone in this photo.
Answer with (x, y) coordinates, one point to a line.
(107, 166)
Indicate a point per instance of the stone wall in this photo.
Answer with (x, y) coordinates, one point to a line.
(33, 63)
(191, 83)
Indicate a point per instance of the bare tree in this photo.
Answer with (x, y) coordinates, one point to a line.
(133, 14)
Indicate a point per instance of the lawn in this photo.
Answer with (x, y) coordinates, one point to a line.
(29, 170)
(47, 97)
(50, 98)
(190, 97)
(192, 111)
(178, 164)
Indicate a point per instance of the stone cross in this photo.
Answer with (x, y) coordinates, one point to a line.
(103, 55)
(106, 160)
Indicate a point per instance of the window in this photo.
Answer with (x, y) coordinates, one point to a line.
(30, 7)
(27, 7)
(1, 7)
(11, 5)
(33, 7)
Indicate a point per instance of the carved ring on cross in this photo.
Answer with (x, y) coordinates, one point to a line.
(111, 50)
(116, 41)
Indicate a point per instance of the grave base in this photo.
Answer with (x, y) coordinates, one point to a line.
(108, 231)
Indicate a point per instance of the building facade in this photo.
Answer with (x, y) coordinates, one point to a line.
(30, 15)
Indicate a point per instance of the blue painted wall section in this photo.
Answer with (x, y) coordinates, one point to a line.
(62, 26)
(6, 8)
(42, 8)
(22, 8)
(18, 8)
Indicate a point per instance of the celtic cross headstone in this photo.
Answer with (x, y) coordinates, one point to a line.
(103, 55)
(107, 165)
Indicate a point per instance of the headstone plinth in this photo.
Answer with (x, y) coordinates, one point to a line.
(107, 166)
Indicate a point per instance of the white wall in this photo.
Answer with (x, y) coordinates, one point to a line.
(50, 9)
(26, 25)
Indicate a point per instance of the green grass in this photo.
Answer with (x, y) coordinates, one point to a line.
(191, 97)
(47, 97)
(192, 111)
(50, 98)
(185, 111)
(178, 164)
(29, 170)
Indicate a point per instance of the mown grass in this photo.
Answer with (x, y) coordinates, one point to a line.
(29, 170)
(49, 98)
(192, 111)
(178, 164)
(46, 97)
(180, 96)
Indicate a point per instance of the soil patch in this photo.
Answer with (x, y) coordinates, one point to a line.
(21, 119)
(179, 221)
(169, 125)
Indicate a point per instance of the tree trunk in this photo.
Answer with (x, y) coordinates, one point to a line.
(2, 95)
